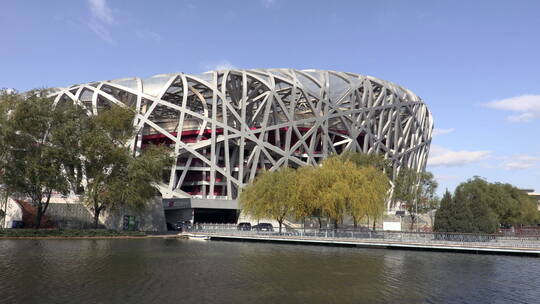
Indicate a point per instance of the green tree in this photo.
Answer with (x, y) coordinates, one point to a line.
(47, 148)
(475, 195)
(443, 215)
(34, 158)
(273, 194)
(453, 216)
(7, 100)
(481, 207)
(416, 190)
(112, 176)
(512, 205)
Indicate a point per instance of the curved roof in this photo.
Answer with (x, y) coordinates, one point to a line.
(311, 79)
(264, 119)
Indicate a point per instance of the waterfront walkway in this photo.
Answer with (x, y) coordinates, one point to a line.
(494, 244)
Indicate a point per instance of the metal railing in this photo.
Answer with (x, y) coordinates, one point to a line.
(364, 234)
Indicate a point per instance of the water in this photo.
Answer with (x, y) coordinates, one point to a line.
(184, 271)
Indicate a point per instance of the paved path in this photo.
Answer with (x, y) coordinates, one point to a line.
(380, 243)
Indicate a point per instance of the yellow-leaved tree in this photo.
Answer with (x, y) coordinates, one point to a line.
(374, 192)
(337, 188)
(333, 184)
(273, 194)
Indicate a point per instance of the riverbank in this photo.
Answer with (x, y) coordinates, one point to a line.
(498, 248)
(67, 233)
(487, 248)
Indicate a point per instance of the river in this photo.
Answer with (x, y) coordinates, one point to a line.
(187, 271)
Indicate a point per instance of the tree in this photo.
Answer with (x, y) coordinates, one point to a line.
(479, 206)
(495, 204)
(336, 188)
(7, 100)
(453, 216)
(306, 198)
(442, 216)
(416, 190)
(358, 196)
(374, 192)
(34, 144)
(475, 196)
(369, 160)
(370, 187)
(345, 188)
(112, 176)
(430, 207)
(333, 188)
(47, 148)
(512, 205)
(273, 194)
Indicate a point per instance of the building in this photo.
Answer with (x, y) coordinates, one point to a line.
(11, 213)
(224, 126)
(533, 194)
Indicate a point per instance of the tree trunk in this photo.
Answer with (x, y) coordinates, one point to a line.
(280, 224)
(413, 219)
(320, 222)
(374, 222)
(39, 215)
(42, 208)
(96, 217)
(335, 224)
(355, 222)
(97, 211)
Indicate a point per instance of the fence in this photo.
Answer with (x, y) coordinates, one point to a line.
(363, 234)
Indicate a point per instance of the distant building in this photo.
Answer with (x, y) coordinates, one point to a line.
(533, 194)
(11, 214)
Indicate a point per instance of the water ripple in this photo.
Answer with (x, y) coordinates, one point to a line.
(173, 271)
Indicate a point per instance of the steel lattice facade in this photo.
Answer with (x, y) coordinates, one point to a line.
(224, 126)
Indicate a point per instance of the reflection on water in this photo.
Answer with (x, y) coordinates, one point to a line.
(183, 271)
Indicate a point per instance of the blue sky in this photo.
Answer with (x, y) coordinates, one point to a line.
(475, 63)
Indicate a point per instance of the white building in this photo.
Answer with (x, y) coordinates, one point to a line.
(12, 212)
(535, 195)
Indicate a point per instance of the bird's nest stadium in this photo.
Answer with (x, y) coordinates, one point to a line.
(224, 126)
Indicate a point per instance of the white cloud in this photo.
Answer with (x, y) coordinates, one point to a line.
(440, 156)
(148, 35)
(101, 11)
(102, 17)
(528, 107)
(101, 31)
(520, 162)
(269, 3)
(222, 65)
(525, 117)
(446, 177)
(437, 132)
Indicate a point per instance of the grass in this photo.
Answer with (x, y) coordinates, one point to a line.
(22, 233)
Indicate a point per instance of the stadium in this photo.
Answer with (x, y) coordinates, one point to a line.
(224, 126)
